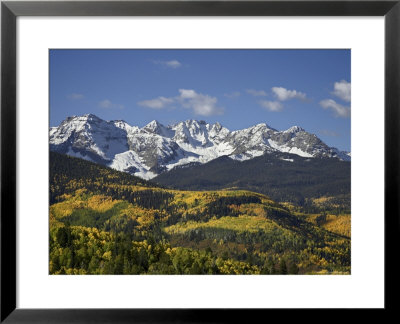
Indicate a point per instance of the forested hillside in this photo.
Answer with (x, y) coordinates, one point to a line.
(107, 222)
(283, 177)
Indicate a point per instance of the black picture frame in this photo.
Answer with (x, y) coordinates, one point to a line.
(10, 10)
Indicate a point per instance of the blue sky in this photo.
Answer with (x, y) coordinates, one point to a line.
(238, 88)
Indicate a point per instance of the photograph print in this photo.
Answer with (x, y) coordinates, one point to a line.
(200, 162)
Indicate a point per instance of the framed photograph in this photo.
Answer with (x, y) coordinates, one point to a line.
(188, 156)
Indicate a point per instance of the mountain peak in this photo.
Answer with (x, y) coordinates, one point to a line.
(217, 126)
(81, 122)
(91, 117)
(188, 123)
(261, 125)
(153, 124)
(119, 121)
(122, 124)
(193, 122)
(294, 129)
(155, 127)
(258, 127)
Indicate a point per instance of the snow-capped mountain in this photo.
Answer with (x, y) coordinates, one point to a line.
(155, 148)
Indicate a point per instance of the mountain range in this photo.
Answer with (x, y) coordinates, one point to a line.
(153, 149)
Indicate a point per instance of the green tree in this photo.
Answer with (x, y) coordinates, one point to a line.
(293, 268)
(63, 236)
(282, 267)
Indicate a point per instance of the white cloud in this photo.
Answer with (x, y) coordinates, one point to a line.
(283, 94)
(75, 96)
(338, 109)
(271, 105)
(232, 95)
(174, 64)
(256, 93)
(342, 90)
(201, 104)
(107, 104)
(157, 103)
(187, 94)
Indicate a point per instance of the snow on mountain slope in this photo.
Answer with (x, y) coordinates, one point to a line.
(89, 136)
(155, 148)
